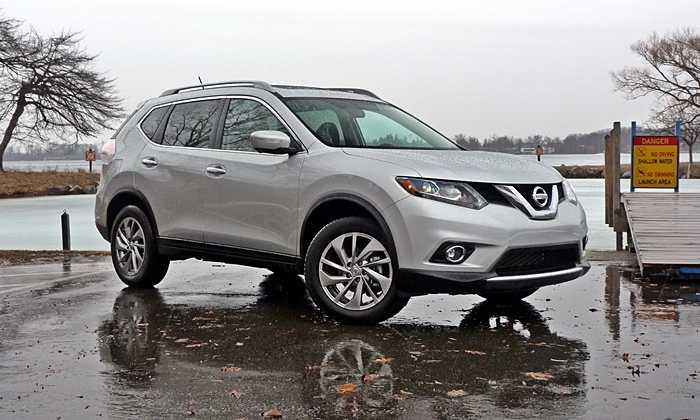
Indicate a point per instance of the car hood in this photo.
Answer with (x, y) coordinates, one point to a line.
(464, 165)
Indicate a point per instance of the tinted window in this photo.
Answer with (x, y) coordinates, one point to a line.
(150, 124)
(190, 124)
(244, 117)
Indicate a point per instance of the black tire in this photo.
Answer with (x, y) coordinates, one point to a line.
(134, 250)
(512, 296)
(372, 274)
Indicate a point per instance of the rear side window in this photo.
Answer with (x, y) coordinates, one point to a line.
(190, 124)
(244, 117)
(150, 124)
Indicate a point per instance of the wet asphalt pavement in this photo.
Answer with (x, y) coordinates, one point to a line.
(221, 341)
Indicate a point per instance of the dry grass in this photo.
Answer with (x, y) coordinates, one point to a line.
(30, 184)
(45, 257)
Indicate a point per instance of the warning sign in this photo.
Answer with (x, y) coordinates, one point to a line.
(655, 162)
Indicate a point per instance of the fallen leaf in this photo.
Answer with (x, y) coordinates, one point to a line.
(369, 377)
(384, 360)
(182, 340)
(626, 357)
(236, 393)
(239, 344)
(479, 353)
(230, 369)
(309, 367)
(415, 353)
(406, 392)
(189, 346)
(272, 414)
(191, 412)
(457, 393)
(540, 376)
(348, 387)
(433, 361)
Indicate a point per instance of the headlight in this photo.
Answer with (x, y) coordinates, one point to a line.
(569, 192)
(451, 192)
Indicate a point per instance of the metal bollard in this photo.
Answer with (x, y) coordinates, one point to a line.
(65, 230)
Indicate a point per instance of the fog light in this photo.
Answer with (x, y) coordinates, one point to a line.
(455, 254)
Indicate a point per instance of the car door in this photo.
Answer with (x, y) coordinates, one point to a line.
(172, 172)
(249, 198)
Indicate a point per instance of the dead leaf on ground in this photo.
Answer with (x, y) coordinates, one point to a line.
(182, 340)
(348, 387)
(415, 353)
(540, 376)
(457, 393)
(272, 414)
(236, 393)
(626, 357)
(432, 361)
(478, 353)
(314, 367)
(369, 377)
(383, 360)
(230, 369)
(189, 346)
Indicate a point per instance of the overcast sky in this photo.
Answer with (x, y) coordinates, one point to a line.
(477, 67)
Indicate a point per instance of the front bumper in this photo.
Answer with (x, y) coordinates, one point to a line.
(421, 282)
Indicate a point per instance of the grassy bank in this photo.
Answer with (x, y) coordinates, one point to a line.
(11, 257)
(32, 184)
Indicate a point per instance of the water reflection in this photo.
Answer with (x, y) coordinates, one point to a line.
(658, 301)
(504, 358)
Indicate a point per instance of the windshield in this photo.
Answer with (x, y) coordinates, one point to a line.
(365, 124)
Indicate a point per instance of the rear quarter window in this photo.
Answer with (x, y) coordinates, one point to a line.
(150, 124)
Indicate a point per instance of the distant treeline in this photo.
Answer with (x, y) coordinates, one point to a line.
(572, 144)
(51, 151)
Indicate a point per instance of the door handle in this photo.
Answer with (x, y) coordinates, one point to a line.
(149, 162)
(216, 170)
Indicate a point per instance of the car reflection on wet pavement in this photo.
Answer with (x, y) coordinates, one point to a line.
(217, 341)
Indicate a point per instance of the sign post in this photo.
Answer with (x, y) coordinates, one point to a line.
(90, 156)
(655, 160)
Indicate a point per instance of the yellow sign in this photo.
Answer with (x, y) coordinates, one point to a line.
(655, 162)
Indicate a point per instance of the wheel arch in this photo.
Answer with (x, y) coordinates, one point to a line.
(336, 207)
(127, 197)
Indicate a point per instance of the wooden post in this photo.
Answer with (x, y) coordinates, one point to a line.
(614, 212)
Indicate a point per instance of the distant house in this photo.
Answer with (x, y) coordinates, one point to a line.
(527, 150)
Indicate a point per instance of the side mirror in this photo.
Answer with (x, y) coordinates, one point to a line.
(275, 142)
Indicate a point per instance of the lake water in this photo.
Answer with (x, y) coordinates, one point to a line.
(34, 223)
(554, 160)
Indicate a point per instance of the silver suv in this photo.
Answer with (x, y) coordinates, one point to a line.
(370, 204)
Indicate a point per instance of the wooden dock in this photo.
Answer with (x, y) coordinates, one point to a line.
(665, 228)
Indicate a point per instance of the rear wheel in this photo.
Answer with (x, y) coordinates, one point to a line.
(350, 272)
(508, 296)
(134, 251)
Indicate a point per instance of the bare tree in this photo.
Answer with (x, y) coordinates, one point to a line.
(49, 89)
(671, 72)
(663, 120)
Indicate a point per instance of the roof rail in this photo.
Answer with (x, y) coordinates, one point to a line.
(355, 90)
(242, 83)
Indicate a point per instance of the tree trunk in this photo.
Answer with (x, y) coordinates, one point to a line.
(21, 104)
(690, 160)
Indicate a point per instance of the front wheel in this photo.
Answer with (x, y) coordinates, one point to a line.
(134, 251)
(350, 272)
